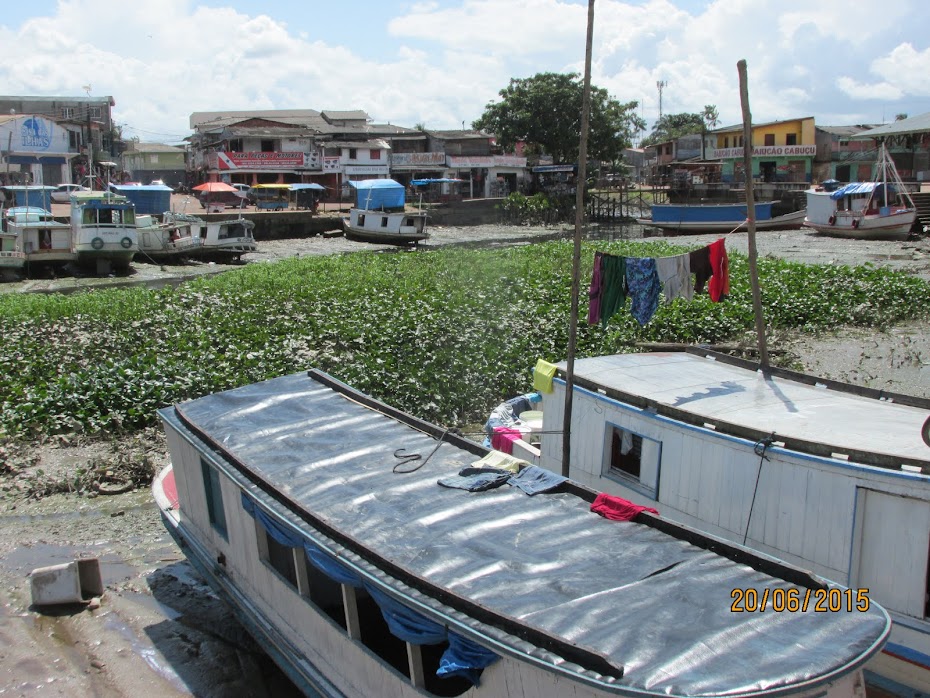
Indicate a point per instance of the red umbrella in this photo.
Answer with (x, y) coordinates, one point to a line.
(214, 186)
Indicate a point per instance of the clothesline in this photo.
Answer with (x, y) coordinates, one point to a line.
(643, 279)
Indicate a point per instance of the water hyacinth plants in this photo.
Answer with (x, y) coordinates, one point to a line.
(445, 334)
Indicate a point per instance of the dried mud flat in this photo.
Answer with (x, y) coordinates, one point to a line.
(158, 630)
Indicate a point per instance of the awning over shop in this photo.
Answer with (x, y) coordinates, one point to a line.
(35, 159)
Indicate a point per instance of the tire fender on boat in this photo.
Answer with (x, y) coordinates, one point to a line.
(832, 220)
(97, 243)
(126, 242)
(855, 222)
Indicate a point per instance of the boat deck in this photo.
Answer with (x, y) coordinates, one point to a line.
(713, 391)
(638, 608)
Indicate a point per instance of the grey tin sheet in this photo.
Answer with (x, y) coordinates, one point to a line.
(719, 391)
(656, 605)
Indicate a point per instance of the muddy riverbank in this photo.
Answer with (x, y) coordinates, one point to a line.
(158, 630)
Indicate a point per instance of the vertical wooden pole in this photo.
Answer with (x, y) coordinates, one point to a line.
(576, 256)
(751, 215)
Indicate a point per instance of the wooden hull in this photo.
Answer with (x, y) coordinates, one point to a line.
(788, 221)
(308, 572)
(893, 227)
(831, 494)
(385, 228)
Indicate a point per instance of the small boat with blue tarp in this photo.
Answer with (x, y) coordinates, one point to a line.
(380, 215)
(373, 553)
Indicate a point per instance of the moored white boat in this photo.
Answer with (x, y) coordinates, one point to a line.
(43, 241)
(11, 259)
(337, 528)
(880, 209)
(379, 215)
(222, 241)
(104, 229)
(827, 476)
(722, 218)
(160, 241)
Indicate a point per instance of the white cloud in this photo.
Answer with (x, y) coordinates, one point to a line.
(441, 62)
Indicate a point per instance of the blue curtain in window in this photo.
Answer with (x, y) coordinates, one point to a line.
(464, 658)
(406, 624)
(281, 534)
(329, 566)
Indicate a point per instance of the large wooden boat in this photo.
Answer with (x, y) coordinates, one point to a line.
(338, 529)
(880, 209)
(220, 241)
(42, 241)
(167, 241)
(379, 215)
(827, 476)
(104, 229)
(719, 218)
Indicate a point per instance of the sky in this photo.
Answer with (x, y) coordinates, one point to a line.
(439, 63)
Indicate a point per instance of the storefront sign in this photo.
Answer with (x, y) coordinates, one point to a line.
(261, 161)
(418, 160)
(466, 161)
(765, 151)
(366, 170)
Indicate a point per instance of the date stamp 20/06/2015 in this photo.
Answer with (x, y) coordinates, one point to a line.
(794, 599)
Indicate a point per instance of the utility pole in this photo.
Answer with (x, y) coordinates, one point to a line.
(661, 84)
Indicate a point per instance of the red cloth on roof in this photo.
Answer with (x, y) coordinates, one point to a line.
(719, 284)
(617, 508)
(503, 437)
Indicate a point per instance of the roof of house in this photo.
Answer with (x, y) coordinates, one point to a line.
(904, 127)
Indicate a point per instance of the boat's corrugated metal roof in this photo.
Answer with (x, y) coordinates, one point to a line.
(716, 391)
(646, 601)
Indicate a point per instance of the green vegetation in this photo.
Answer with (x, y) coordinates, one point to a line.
(544, 113)
(445, 335)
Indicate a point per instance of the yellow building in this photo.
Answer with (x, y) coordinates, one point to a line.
(782, 151)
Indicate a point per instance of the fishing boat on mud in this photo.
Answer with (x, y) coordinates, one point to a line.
(167, 241)
(880, 209)
(220, 241)
(719, 218)
(372, 553)
(827, 476)
(379, 215)
(43, 242)
(103, 225)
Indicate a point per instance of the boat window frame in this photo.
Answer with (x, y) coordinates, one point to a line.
(645, 483)
(213, 493)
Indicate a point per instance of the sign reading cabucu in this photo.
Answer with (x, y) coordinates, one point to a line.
(35, 135)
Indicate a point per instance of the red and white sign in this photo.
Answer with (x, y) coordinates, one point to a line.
(260, 161)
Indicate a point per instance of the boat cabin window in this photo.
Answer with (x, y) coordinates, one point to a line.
(633, 460)
(361, 219)
(384, 221)
(215, 510)
(281, 558)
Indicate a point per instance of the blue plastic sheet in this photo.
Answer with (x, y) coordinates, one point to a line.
(406, 624)
(331, 567)
(279, 533)
(464, 658)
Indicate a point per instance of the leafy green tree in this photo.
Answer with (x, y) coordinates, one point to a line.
(544, 112)
(672, 126)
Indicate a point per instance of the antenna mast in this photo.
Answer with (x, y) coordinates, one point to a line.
(661, 84)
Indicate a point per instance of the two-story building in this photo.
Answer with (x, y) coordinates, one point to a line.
(144, 162)
(90, 119)
(37, 150)
(782, 151)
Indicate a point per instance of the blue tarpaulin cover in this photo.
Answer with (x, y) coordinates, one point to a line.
(378, 194)
(858, 188)
(148, 198)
